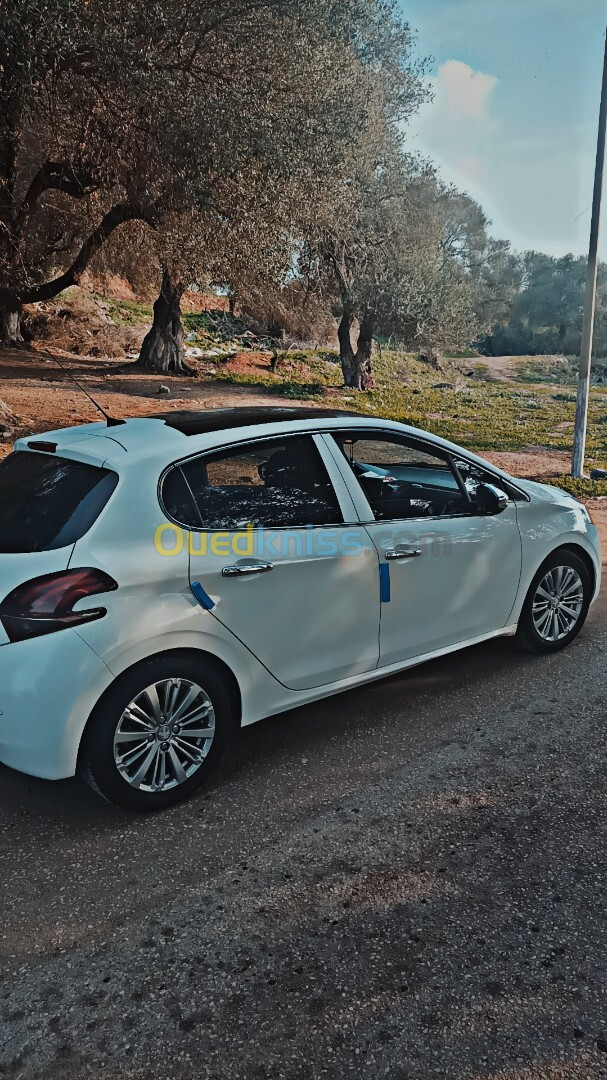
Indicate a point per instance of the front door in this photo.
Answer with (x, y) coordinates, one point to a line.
(449, 574)
(272, 558)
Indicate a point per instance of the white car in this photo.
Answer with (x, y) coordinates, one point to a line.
(164, 580)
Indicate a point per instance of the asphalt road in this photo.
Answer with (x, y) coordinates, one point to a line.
(408, 880)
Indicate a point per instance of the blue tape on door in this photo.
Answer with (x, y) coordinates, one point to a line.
(384, 583)
(203, 598)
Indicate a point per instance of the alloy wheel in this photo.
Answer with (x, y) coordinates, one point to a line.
(164, 735)
(558, 603)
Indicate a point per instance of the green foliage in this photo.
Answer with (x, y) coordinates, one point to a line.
(544, 312)
(582, 489)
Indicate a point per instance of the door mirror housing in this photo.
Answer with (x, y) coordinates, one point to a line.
(490, 500)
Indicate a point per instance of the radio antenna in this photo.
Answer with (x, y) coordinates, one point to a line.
(111, 421)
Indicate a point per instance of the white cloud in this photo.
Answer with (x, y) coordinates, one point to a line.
(459, 130)
(456, 129)
(525, 176)
(461, 93)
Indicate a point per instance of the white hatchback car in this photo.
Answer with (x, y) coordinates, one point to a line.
(166, 579)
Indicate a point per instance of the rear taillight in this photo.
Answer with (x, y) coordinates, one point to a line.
(45, 604)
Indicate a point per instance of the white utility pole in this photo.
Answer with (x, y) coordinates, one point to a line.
(581, 408)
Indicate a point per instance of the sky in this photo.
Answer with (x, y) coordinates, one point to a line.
(516, 87)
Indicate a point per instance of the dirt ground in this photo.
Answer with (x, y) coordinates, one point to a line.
(42, 396)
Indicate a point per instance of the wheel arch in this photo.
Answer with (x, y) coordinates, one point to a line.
(531, 570)
(581, 553)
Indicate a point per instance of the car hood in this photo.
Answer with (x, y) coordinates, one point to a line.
(545, 492)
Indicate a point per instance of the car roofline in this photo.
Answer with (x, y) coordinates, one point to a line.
(92, 442)
(324, 422)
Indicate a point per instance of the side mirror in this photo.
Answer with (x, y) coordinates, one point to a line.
(490, 500)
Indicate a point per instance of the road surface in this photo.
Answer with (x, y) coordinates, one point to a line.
(408, 880)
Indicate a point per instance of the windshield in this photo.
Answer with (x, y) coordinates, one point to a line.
(48, 502)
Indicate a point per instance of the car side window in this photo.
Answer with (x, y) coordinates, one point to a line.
(277, 483)
(402, 478)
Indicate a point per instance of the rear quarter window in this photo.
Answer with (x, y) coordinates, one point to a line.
(49, 502)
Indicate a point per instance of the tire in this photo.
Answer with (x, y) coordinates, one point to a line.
(180, 685)
(538, 632)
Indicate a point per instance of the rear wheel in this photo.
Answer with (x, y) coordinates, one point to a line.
(155, 735)
(556, 605)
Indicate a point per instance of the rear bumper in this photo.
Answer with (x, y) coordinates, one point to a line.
(48, 688)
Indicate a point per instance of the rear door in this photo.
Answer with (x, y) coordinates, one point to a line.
(277, 556)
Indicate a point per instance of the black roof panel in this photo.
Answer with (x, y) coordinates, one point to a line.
(192, 422)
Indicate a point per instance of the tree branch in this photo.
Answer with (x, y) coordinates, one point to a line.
(58, 176)
(118, 215)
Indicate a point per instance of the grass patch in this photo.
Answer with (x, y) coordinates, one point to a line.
(463, 354)
(480, 414)
(582, 489)
(129, 312)
(554, 369)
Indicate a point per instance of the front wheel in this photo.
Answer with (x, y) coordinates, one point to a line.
(556, 605)
(154, 736)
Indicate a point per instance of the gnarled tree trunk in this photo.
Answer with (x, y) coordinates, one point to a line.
(13, 296)
(7, 421)
(162, 350)
(357, 367)
(364, 354)
(346, 352)
(10, 326)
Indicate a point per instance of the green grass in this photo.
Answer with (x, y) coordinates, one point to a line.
(300, 374)
(561, 370)
(463, 354)
(129, 312)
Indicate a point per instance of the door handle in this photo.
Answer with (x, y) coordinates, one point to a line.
(247, 568)
(410, 554)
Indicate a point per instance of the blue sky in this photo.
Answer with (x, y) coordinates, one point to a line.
(517, 87)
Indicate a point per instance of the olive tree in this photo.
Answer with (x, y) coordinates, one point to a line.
(363, 257)
(311, 81)
(353, 251)
(111, 114)
(411, 259)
